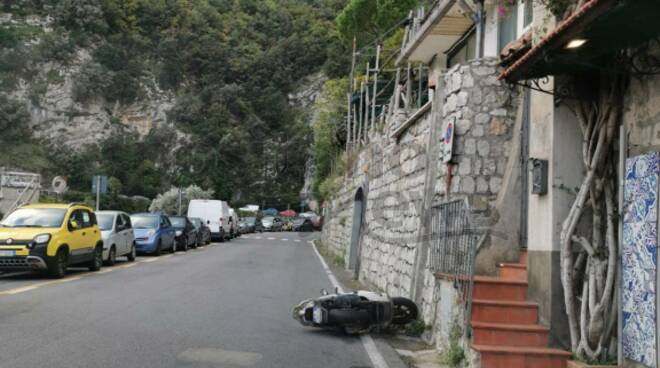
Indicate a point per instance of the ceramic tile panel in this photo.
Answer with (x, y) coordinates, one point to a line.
(639, 258)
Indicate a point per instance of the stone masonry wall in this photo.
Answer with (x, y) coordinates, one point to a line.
(392, 174)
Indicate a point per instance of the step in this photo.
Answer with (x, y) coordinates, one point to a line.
(521, 357)
(510, 334)
(494, 311)
(497, 288)
(523, 257)
(512, 271)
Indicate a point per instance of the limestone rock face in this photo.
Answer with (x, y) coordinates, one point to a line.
(58, 118)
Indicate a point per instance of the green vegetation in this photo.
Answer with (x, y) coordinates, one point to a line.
(230, 63)
(454, 354)
(415, 328)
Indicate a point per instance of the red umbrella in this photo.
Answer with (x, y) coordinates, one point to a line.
(288, 213)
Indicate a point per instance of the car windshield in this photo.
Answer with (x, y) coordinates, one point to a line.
(144, 222)
(250, 220)
(197, 222)
(105, 221)
(178, 221)
(268, 219)
(298, 221)
(35, 217)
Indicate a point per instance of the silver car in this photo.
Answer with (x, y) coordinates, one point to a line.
(117, 234)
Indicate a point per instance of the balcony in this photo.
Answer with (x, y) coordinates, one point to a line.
(434, 29)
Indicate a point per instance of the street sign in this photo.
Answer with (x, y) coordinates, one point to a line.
(103, 180)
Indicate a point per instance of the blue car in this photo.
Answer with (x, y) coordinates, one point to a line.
(153, 233)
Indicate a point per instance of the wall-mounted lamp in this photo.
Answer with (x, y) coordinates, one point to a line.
(576, 43)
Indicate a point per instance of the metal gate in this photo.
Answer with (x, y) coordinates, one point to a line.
(453, 248)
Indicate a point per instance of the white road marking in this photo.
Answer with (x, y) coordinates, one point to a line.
(154, 259)
(297, 240)
(285, 239)
(369, 345)
(271, 238)
(258, 237)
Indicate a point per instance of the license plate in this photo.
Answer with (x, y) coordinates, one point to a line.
(7, 253)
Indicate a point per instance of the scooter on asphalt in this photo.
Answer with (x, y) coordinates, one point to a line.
(356, 312)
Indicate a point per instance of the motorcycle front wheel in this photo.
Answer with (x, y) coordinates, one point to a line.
(405, 311)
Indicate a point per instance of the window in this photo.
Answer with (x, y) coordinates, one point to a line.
(507, 28)
(127, 221)
(515, 22)
(120, 223)
(87, 219)
(463, 50)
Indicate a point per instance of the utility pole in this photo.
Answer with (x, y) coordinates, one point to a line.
(179, 201)
(98, 192)
(350, 97)
(373, 100)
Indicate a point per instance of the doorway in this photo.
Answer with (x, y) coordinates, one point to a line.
(358, 209)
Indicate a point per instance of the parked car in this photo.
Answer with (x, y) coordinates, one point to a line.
(303, 224)
(117, 234)
(287, 224)
(253, 225)
(186, 233)
(215, 215)
(317, 220)
(203, 231)
(243, 227)
(153, 233)
(50, 237)
(271, 223)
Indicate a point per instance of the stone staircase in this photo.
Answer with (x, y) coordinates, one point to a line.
(505, 325)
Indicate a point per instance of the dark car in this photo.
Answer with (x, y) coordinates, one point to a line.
(303, 224)
(186, 234)
(203, 231)
(253, 225)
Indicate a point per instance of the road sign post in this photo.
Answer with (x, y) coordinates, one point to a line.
(99, 186)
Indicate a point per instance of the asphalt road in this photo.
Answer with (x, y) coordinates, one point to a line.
(225, 305)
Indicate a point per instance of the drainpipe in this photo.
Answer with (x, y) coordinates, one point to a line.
(480, 21)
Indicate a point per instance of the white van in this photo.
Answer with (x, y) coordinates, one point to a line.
(215, 215)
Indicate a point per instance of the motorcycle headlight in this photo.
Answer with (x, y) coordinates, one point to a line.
(179, 233)
(42, 239)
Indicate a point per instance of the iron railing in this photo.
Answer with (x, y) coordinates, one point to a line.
(454, 247)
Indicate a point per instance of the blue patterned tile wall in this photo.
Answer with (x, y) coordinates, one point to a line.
(640, 258)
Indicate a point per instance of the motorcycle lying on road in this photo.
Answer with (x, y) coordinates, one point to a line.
(356, 312)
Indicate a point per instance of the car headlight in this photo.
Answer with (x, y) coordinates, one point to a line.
(179, 233)
(42, 238)
(151, 233)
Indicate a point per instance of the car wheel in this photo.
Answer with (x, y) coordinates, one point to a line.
(132, 255)
(57, 266)
(112, 256)
(96, 263)
(222, 237)
(159, 249)
(185, 246)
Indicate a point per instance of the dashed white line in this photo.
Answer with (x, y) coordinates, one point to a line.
(284, 239)
(271, 238)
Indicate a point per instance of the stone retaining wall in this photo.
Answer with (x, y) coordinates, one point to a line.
(392, 175)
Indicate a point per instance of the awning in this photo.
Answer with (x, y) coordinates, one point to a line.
(605, 25)
(446, 23)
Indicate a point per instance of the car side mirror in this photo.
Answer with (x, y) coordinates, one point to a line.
(208, 222)
(74, 225)
(324, 292)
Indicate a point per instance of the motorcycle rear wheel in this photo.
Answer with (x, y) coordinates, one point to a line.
(405, 311)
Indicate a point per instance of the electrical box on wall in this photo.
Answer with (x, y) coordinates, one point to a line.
(539, 176)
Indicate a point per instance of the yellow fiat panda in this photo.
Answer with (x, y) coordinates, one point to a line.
(50, 237)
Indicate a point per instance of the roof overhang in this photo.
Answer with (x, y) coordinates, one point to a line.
(605, 25)
(445, 25)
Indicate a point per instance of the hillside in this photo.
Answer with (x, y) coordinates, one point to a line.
(157, 93)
